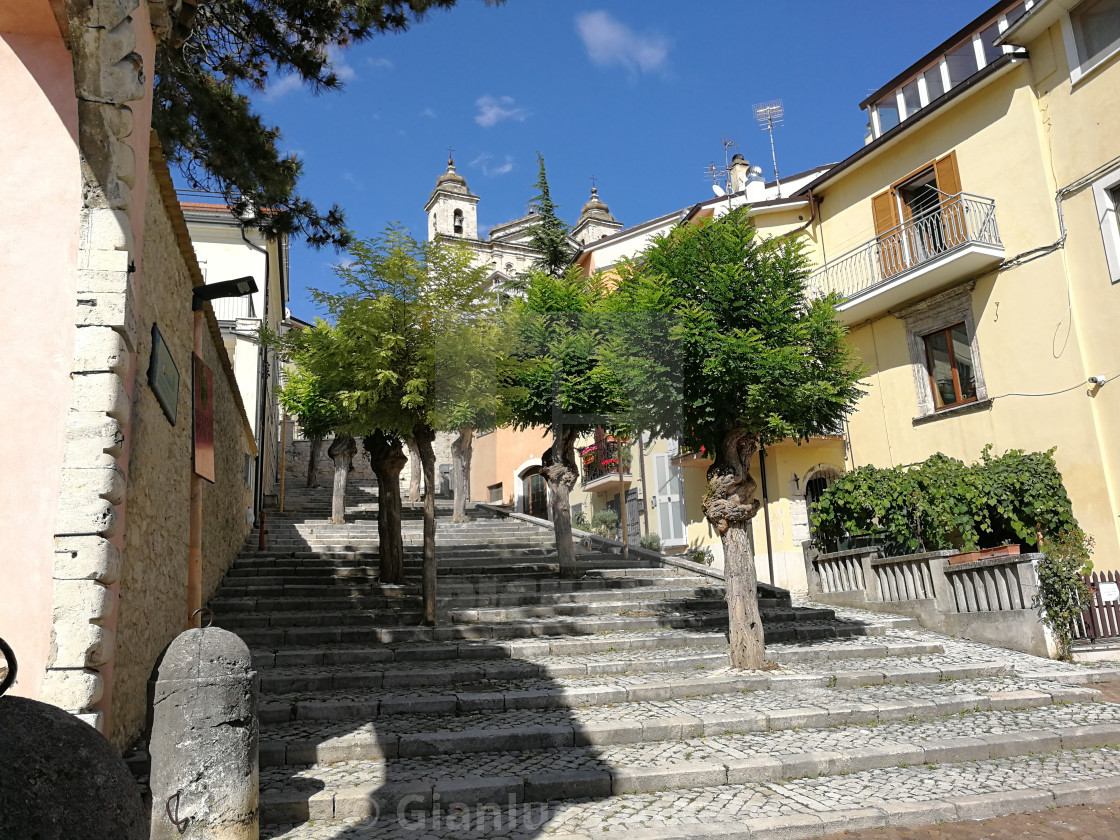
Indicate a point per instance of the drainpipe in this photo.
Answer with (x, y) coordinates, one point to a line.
(642, 475)
(262, 394)
(766, 511)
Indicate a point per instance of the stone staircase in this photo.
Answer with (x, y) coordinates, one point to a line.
(604, 705)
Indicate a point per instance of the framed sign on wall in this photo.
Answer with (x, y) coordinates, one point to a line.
(163, 376)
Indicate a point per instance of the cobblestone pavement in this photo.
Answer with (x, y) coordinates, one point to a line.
(1077, 822)
(724, 748)
(678, 809)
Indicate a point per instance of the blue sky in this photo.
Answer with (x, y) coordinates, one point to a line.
(639, 93)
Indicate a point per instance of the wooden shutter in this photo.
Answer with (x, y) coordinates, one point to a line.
(948, 176)
(884, 211)
(953, 220)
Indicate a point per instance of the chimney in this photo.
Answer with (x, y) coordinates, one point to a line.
(738, 169)
(756, 185)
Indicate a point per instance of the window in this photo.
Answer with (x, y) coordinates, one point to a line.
(944, 355)
(949, 361)
(962, 63)
(1092, 35)
(458, 221)
(1106, 193)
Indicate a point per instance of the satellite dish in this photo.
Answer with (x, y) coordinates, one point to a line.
(718, 190)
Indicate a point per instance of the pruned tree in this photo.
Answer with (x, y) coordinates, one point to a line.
(220, 53)
(724, 346)
(304, 397)
(558, 380)
(401, 304)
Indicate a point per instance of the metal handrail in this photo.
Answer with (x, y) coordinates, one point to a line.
(960, 220)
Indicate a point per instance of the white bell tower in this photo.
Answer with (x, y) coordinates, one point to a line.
(452, 208)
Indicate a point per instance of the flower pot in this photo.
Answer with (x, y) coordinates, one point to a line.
(985, 554)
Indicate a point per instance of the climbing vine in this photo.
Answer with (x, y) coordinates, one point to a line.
(943, 503)
(1063, 595)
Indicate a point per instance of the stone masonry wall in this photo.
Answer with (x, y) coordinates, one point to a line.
(153, 586)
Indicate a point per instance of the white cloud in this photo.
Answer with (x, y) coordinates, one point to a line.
(352, 179)
(341, 69)
(429, 113)
(283, 86)
(490, 169)
(380, 63)
(493, 110)
(610, 42)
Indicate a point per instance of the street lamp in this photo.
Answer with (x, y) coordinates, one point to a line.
(199, 295)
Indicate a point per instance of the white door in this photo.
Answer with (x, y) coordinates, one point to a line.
(668, 498)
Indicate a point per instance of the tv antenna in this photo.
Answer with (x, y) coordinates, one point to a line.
(770, 114)
(713, 174)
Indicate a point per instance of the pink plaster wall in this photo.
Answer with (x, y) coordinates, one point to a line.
(40, 198)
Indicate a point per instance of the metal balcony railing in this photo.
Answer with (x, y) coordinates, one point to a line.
(959, 221)
(601, 460)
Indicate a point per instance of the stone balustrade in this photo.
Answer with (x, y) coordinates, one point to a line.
(986, 600)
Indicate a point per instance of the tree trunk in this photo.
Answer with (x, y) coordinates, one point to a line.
(461, 450)
(424, 435)
(729, 505)
(313, 461)
(386, 456)
(341, 451)
(558, 466)
(413, 471)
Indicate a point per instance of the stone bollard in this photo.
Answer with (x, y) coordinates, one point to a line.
(60, 778)
(204, 741)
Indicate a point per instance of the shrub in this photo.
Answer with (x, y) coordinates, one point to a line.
(605, 523)
(650, 541)
(1063, 595)
(701, 554)
(943, 503)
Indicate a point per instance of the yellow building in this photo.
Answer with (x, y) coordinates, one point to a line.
(975, 241)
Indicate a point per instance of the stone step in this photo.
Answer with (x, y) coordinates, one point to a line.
(526, 628)
(639, 603)
(639, 721)
(435, 665)
(683, 807)
(505, 592)
(507, 686)
(600, 644)
(227, 603)
(365, 787)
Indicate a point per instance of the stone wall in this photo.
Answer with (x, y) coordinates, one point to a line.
(153, 586)
(298, 452)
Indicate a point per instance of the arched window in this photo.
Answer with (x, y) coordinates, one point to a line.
(458, 221)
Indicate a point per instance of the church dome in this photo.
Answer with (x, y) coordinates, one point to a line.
(452, 180)
(595, 208)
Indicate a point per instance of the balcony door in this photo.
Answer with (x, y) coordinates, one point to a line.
(919, 217)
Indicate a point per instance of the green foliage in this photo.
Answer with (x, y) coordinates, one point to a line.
(556, 333)
(605, 523)
(1063, 595)
(549, 233)
(225, 50)
(716, 332)
(651, 541)
(304, 396)
(412, 340)
(943, 503)
(701, 554)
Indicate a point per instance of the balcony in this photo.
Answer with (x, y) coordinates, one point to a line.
(601, 467)
(953, 241)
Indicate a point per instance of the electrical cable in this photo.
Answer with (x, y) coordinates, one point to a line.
(1108, 378)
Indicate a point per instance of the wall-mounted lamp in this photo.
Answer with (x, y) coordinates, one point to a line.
(227, 288)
